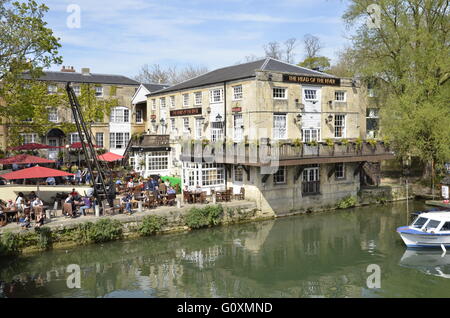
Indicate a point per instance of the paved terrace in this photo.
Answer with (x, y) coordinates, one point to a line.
(170, 212)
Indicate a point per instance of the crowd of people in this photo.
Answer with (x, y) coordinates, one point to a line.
(25, 209)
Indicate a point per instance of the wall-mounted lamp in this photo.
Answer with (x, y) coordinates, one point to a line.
(153, 121)
(330, 102)
(219, 118)
(298, 119)
(162, 122)
(208, 110)
(329, 119)
(269, 77)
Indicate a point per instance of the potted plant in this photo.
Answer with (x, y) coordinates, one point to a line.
(358, 143)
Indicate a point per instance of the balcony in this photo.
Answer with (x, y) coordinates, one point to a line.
(287, 154)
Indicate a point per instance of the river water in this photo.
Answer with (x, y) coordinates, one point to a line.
(318, 255)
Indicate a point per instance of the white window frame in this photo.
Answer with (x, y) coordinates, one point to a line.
(217, 131)
(185, 100)
(100, 141)
(98, 91)
(139, 116)
(280, 93)
(280, 177)
(307, 134)
(238, 123)
(173, 127)
(238, 175)
(52, 89)
(216, 95)
(158, 161)
(342, 125)
(120, 115)
(123, 137)
(337, 96)
(198, 96)
(198, 128)
(53, 114)
(279, 131)
(29, 138)
(74, 138)
(162, 102)
(309, 95)
(238, 92)
(77, 90)
(340, 176)
(172, 101)
(186, 125)
(154, 104)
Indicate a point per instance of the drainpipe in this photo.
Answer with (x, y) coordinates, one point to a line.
(225, 127)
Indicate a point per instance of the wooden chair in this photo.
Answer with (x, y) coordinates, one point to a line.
(171, 199)
(241, 195)
(67, 209)
(150, 202)
(3, 220)
(118, 206)
(187, 197)
(203, 197)
(107, 210)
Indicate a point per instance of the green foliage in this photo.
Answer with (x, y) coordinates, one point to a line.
(317, 62)
(151, 225)
(345, 142)
(372, 142)
(313, 143)
(44, 238)
(329, 142)
(210, 215)
(348, 202)
(407, 60)
(359, 143)
(9, 244)
(104, 230)
(297, 142)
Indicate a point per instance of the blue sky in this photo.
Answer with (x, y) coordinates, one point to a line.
(118, 36)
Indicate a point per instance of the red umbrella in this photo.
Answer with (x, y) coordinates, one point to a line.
(35, 173)
(32, 147)
(24, 159)
(110, 157)
(78, 145)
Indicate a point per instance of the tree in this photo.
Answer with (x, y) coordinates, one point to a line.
(169, 75)
(26, 44)
(345, 64)
(312, 59)
(408, 56)
(280, 52)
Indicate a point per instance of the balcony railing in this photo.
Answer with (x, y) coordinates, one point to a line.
(285, 153)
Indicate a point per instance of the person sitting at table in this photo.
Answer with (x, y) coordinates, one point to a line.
(71, 200)
(130, 184)
(74, 193)
(162, 187)
(86, 205)
(126, 200)
(10, 205)
(20, 201)
(171, 190)
(36, 203)
(50, 181)
(40, 220)
(32, 196)
(25, 222)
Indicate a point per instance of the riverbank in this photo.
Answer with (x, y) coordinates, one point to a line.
(65, 232)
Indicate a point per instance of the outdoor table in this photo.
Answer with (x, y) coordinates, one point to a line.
(12, 213)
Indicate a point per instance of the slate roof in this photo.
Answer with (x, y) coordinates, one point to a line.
(92, 78)
(152, 87)
(242, 71)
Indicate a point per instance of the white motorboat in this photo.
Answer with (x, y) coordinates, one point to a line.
(430, 229)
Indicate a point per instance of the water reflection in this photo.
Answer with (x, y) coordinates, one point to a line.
(430, 262)
(319, 255)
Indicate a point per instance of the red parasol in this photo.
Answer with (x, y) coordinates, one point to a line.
(35, 173)
(78, 145)
(110, 157)
(24, 159)
(32, 147)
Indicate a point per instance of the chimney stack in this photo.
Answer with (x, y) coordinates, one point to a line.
(85, 71)
(69, 69)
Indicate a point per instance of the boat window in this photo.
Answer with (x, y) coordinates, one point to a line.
(420, 222)
(433, 224)
(446, 226)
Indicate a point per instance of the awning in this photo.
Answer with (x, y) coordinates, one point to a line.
(24, 159)
(110, 157)
(35, 173)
